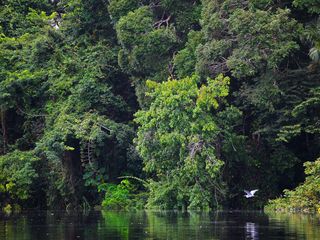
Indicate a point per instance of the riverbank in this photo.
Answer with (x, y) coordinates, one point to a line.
(304, 198)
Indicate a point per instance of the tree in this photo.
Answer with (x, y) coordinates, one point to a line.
(18, 176)
(268, 38)
(305, 197)
(178, 138)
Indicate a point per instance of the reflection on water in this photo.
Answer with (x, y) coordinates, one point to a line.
(251, 231)
(158, 225)
(306, 226)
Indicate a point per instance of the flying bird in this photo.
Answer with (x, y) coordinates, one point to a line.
(250, 194)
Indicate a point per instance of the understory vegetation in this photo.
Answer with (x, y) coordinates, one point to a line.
(167, 104)
(305, 198)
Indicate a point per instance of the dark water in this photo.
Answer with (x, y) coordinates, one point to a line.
(158, 225)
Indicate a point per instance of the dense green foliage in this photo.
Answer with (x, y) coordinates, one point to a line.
(196, 100)
(116, 196)
(17, 179)
(305, 197)
(178, 141)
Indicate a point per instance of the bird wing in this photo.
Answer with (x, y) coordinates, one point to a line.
(254, 191)
(247, 192)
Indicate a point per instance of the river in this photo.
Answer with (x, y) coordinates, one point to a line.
(229, 225)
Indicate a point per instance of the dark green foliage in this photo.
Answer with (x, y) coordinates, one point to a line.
(304, 198)
(312, 6)
(220, 96)
(185, 60)
(18, 17)
(17, 175)
(145, 48)
(306, 116)
(119, 8)
(70, 101)
(268, 38)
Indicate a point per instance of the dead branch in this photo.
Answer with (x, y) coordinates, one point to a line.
(159, 23)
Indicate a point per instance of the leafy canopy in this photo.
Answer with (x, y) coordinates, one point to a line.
(176, 140)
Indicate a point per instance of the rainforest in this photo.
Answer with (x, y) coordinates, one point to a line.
(159, 104)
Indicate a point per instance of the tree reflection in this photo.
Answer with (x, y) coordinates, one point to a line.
(159, 225)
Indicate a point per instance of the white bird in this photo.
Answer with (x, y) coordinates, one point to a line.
(250, 194)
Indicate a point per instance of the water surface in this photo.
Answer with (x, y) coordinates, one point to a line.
(158, 225)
